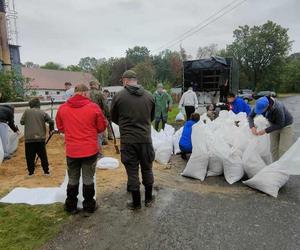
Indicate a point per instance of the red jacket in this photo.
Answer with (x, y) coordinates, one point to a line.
(80, 120)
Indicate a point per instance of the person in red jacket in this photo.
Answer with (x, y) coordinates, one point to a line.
(81, 121)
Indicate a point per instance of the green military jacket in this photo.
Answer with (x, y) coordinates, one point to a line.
(162, 103)
(97, 97)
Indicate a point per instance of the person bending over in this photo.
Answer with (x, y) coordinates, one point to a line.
(185, 143)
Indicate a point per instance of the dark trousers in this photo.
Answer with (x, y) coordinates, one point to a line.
(31, 150)
(133, 155)
(157, 121)
(189, 110)
(86, 166)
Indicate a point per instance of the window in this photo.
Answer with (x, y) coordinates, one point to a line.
(57, 92)
(46, 92)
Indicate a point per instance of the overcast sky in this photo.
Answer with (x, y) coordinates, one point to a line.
(65, 31)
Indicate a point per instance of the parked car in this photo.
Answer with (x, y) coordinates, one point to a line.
(246, 94)
(264, 93)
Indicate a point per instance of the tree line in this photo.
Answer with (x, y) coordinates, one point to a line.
(262, 52)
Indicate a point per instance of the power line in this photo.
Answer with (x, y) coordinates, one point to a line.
(202, 25)
(196, 26)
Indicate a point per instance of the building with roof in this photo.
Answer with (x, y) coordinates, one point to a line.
(48, 83)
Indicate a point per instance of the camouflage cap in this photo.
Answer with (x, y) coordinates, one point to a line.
(129, 74)
(160, 85)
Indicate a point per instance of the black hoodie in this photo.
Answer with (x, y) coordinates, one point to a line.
(133, 110)
(7, 116)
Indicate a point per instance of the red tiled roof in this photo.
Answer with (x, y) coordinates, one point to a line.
(54, 79)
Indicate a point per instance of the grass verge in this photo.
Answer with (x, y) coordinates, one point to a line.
(29, 227)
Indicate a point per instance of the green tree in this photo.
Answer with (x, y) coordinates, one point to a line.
(146, 74)
(88, 64)
(8, 86)
(137, 54)
(74, 68)
(259, 48)
(52, 65)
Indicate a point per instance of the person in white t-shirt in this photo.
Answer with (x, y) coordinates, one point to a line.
(189, 102)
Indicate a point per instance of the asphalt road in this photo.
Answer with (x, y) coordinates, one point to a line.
(189, 214)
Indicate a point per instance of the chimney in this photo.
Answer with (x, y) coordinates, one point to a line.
(4, 48)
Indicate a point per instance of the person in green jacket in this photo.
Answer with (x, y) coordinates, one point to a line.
(34, 120)
(163, 103)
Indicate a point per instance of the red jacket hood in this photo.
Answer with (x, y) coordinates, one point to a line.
(78, 101)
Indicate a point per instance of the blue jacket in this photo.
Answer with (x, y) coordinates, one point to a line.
(185, 142)
(239, 105)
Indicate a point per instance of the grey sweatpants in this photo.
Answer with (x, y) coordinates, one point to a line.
(4, 137)
(281, 141)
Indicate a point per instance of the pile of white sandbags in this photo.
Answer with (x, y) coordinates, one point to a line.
(163, 144)
(227, 146)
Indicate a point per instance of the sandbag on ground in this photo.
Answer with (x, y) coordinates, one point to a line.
(107, 163)
(269, 180)
(215, 166)
(252, 161)
(1, 152)
(163, 144)
(198, 162)
(233, 167)
(176, 139)
(13, 141)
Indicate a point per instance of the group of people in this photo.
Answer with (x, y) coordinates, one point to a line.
(280, 119)
(84, 118)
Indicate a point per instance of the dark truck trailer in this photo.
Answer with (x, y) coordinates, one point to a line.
(207, 75)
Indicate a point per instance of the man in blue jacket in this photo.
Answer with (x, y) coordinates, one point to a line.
(237, 104)
(281, 124)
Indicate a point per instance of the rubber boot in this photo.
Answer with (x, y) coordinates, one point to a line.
(136, 201)
(89, 203)
(149, 198)
(71, 201)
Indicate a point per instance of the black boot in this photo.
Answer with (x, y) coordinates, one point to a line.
(149, 198)
(136, 201)
(89, 203)
(71, 201)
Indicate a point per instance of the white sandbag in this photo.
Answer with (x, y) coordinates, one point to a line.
(179, 117)
(198, 162)
(163, 154)
(32, 196)
(252, 161)
(215, 166)
(176, 139)
(163, 144)
(269, 180)
(107, 163)
(1, 152)
(196, 167)
(116, 130)
(290, 161)
(13, 142)
(233, 167)
(43, 196)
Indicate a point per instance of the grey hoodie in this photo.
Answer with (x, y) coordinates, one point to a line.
(133, 110)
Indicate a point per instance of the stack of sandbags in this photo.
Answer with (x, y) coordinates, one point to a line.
(225, 141)
(163, 144)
